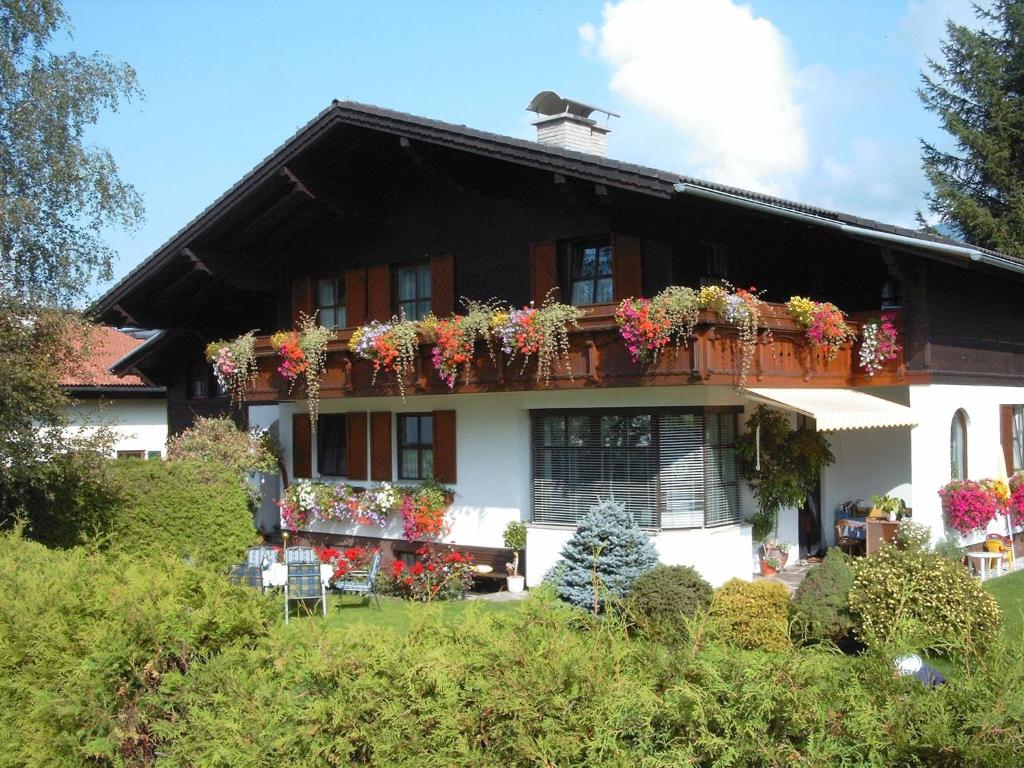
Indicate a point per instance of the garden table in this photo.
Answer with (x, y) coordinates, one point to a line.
(984, 558)
(277, 575)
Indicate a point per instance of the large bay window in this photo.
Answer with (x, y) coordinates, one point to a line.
(672, 468)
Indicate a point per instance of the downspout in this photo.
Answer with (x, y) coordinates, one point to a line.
(964, 251)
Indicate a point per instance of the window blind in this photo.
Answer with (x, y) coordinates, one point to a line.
(672, 469)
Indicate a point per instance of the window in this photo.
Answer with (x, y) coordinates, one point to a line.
(332, 445)
(131, 454)
(1018, 438)
(416, 446)
(331, 302)
(153, 454)
(671, 468)
(203, 383)
(590, 273)
(958, 446)
(414, 291)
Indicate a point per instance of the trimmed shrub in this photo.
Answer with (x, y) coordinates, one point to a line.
(188, 509)
(609, 552)
(752, 614)
(667, 595)
(89, 639)
(820, 609)
(920, 601)
(913, 536)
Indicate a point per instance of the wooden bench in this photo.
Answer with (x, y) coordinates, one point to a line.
(496, 557)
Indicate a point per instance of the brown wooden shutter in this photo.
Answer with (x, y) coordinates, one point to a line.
(303, 298)
(380, 445)
(355, 297)
(543, 271)
(442, 286)
(627, 267)
(1006, 435)
(378, 293)
(302, 446)
(355, 434)
(444, 446)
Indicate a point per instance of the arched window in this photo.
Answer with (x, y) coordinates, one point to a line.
(958, 446)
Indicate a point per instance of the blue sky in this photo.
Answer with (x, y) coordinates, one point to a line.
(809, 100)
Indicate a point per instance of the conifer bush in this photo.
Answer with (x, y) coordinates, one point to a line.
(752, 614)
(821, 606)
(603, 559)
(667, 595)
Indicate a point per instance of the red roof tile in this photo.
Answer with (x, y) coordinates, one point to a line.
(108, 345)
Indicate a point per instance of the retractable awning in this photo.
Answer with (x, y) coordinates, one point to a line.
(835, 409)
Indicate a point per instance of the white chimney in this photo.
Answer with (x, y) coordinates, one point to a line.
(567, 123)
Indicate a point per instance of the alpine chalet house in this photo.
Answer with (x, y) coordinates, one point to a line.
(367, 214)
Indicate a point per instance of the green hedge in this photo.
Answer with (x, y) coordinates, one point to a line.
(187, 509)
(752, 614)
(821, 606)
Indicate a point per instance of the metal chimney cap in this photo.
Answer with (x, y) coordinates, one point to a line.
(550, 103)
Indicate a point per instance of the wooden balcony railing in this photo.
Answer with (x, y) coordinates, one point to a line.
(598, 358)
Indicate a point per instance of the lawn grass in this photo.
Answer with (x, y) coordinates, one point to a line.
(1009, 593)
(400, 615)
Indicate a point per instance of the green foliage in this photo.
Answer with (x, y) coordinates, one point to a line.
(820, 609)
(59, 194)
(663, 598)
(515, 539)
(790, 464)
(976, 92)
(51, 475)
(218, 440)
(604, 557)
(186, 509)
(914, 600)
(87, 640)
(752, 614)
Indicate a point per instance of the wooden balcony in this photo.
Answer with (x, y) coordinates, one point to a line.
(598, 359)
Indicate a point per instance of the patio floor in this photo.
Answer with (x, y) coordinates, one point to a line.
(791, 576)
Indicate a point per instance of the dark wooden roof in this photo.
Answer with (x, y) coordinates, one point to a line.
(272, 172)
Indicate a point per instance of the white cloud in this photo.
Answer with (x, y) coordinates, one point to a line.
(720, 76)
(923, 26)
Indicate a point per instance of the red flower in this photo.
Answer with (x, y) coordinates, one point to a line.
(397, 568)
(417, 568)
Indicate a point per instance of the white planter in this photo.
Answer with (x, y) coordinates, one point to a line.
(515, 583)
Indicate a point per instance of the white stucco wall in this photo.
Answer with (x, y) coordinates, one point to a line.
(138, 425)
(493, 471)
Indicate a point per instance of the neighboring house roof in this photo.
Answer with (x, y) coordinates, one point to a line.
(629, 176)
(106, 346)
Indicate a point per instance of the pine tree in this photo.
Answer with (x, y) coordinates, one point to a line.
(609, 552)
(978, 94)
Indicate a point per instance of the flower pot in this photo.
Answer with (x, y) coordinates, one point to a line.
(892, 517)
(778, 554)
(515, 583)
(767, 570)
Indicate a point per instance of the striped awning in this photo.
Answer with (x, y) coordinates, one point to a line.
(835, 409)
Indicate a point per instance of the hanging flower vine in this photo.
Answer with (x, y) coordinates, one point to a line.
(824, 324)
(390, 346)
(542, 333)
(741, 308)
(304, 353)
(234, 364)
(455, 339)
(878, 344)
(648, 325)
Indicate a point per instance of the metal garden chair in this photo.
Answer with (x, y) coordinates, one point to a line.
(363, 583)
(247, 574)
(304, 583)
(300, 555)
(261, 556)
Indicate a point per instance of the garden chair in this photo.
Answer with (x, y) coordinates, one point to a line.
(295, 555)
(304, 583)
(363, 583)
(995, 542)
(850, 537)
(247, 574)
(261, 556)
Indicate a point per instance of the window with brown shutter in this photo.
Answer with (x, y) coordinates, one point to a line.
(444, 446)
(303, 299)
(442, 277)
(416, 446)
(590, 272)
(378, 293)
(380, 445)
(302, 446)
(628, 267)
(543, 271)
(355, 297)
(1011, 434)
(356, 428)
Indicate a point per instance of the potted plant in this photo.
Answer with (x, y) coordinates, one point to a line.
(770, 566)
(888, 507)
(773, 549)
(515, 539)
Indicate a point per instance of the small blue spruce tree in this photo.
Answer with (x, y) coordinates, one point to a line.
(609, 552)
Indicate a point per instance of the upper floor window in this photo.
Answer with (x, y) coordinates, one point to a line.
(958, 446)
(203, 383)
(416, 446)
(331, 302)
(414, 299)
(332, 445)
(591, 267)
